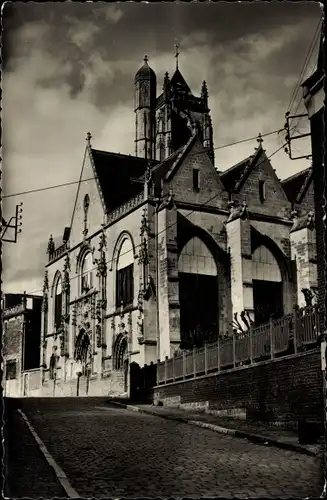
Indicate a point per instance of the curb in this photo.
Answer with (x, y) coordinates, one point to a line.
(255, 438)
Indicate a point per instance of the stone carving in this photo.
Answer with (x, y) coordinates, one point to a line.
(310, 296)
(66, 280)
(101, 262)
(237, 211)
(140, 318)
(45, 304)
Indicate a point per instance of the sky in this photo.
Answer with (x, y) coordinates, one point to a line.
(68, 68)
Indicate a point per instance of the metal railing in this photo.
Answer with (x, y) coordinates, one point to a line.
(280, 337)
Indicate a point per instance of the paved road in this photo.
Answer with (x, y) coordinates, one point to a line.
(114, 452)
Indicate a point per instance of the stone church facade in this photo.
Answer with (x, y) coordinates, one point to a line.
(164, 252)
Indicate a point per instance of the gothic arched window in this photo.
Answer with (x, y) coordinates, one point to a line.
(86, 273)
(124, 274)
(58, 303)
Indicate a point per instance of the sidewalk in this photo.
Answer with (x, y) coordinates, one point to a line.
(253, 431)
(27, 473)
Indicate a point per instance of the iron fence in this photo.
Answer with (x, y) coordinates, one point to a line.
(280, 337)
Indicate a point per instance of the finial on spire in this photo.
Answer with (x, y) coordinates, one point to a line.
(88, 138)
(177, 53)
(146, 59)
(260, 140)
(204, 92)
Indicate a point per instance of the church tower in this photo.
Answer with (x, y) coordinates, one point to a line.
(145, 84)
(179, 114)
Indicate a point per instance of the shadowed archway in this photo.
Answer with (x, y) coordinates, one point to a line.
(82, 346)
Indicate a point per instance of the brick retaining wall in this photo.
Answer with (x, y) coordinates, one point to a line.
(283, 389)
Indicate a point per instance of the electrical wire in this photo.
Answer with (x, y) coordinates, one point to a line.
(304, 67)
(55, 186)
(168, 227)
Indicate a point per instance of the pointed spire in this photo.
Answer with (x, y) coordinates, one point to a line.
(166, 80)
(204, 93)
(88, 139)
(177, 53)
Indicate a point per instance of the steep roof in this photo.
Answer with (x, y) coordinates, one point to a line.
(161, 169)
(115, 172)
(178, 81)
(230, 176)
(296, 185)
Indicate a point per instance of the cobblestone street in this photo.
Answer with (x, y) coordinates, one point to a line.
(113, 452)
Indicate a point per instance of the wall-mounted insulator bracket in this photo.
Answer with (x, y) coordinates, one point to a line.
(15, 223)
(289, 138)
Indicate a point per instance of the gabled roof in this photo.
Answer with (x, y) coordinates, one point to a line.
(296, 185)
(114, 172)
(230, 176)
(174, 163)
(234, 178)
(162, 168)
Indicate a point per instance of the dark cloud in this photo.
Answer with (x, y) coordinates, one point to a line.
(69, 68)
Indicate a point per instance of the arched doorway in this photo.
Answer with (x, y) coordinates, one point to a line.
(267, 285)
(82, 348)
(198, 294)
(120, 357)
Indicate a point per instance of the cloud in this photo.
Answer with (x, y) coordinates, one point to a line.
(112, 13)
(68, 74)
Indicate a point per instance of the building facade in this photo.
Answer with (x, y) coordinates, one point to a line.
(21, 318)
(314, 96)
(164, 252)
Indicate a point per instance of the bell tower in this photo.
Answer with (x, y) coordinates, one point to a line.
(145, 84)
(179, 114)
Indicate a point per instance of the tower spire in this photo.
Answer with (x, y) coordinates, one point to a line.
(259, 141)
(177, 53)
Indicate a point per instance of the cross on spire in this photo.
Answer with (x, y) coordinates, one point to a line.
(88, 138)
(177, 53)
(260, 140)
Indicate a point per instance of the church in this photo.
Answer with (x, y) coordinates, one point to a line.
(165, 252)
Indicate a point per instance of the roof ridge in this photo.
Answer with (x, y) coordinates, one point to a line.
(252, 162)
(181, 152)
(297, 174)
(121, 154)
(230, 169)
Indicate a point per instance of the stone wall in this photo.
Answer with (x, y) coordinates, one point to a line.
(284, 389)
(13, 351)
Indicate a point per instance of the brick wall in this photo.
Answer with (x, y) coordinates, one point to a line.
(284, 389)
